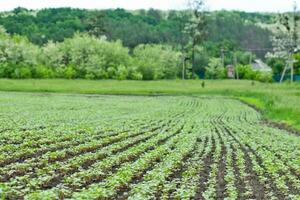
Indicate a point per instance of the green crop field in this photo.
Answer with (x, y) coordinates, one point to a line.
(71, 146)
(277, 102)
(170, 100)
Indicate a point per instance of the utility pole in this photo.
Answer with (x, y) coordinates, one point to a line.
(193, 58)
(250, 58)
(292, 68)
(235, 65)
(222, 57)
(295, 38)
(289, 65)
(292, 48)
(283, 73)
(183, 68)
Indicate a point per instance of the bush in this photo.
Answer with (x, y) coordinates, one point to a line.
(90, 76)
(5, 72)
(136, 76)
(21, 72)
(246, 72)
(70, 73)
(90, 57)
(85, 56)
(156, 61)
(121, 73)
(111, 71)
(17, 56)
(215, 70)
(265, 77)
(42, 71)
(66, 72)
(25, 72)
(277, 64)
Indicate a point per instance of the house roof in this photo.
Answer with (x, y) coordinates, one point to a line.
(259, 65)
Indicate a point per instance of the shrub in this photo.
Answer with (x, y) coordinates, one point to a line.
(156, 61)
(85, 56)
(215, 70)
(70, 73)
(42, 71)
(4, 70)
(89, 56)
(90, 76)
(25, 72)
(136, 76)
(111, 71)
(121, 73)
(277, 64)
(246, 72)
(265, 77)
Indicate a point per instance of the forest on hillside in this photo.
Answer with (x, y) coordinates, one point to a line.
(142, 44)
(136, 27)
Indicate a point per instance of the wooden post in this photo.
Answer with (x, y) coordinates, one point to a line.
(193, 58)
(288, 65)
(235, 65)
(283, 73)
(292, 68)
(222, 57)
(183, 68)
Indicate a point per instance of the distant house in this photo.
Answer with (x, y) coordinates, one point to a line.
(230, 71)
(259, 65)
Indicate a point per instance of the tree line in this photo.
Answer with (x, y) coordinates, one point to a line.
(133, 27)
(85, 56)
(119, 44)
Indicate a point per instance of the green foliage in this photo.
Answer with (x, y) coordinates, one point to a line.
(136, 27)
(25, 72)
(3, 189)
(41, 71)
(265, 77)
(121, 73)
(17, 57)
(246, 72)
(3, 33)
(85, 56)
(4, 69)
(80, 55)
(203, 84)
(47, 24)
(69, 72)
(245, 58)
(215, 70)
(156, 61)
(232, 27)
(297, 63)
(277, 64)
(135, 75)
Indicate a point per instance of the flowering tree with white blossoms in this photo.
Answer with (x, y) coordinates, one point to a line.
(286, 42)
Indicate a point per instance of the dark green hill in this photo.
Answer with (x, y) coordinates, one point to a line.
(230, 28)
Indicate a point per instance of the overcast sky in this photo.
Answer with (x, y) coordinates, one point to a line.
(246, 5)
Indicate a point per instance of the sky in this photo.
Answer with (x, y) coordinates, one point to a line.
(245, 5)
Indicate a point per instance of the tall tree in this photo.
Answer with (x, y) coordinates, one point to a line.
(286, 43)
(95, 23)
(196, 27)
(155, 14)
